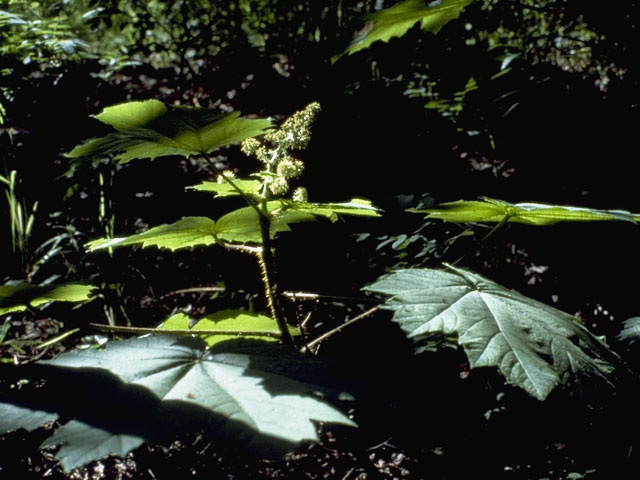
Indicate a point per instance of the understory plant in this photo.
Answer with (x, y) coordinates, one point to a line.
(251, 378)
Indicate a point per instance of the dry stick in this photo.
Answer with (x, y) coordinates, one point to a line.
(309, 346)
(142, 331)
(194, 290)
(307, 296)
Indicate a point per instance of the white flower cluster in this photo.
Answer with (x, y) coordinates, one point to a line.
(293, 134)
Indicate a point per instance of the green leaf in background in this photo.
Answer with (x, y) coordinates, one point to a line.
(490, 210)
(186, 232)
(16, 298)
(397, 20)
(631, 331)
(7, 18)
(150, 129)
(226, 320)
(534, 346)
(250, 188)
(130, 115)
(154, 385)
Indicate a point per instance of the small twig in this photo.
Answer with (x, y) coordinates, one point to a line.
(305, 321)
(383, 444)
(194, 290)
(306, 296)
(303, 325)
(309, 347)
(35, 358)
(348, 474)
(143, 331)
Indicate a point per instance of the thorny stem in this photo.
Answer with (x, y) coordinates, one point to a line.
(239, 247)
(267, 265)
(265, 255)
(267, 259)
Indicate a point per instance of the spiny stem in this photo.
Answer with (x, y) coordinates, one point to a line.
(265, 255)
(267, 265)
(239, 247)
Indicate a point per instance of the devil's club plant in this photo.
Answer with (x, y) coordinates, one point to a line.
(239, 384)
(241, 376)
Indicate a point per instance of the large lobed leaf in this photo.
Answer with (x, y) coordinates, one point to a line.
(150, 129)
(491, 210)
(240, 397)
(240, 226)
(16, 298)
(397, 20)
(535, 346)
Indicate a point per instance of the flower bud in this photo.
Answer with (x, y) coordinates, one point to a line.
(300, 195)
(290, 168)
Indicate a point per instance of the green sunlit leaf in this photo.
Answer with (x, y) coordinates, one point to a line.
(150, 129)
(397, 20)
(126, 116)
(224, 321)
(490, 210)
(357, 206)
(187, 232)
(241, 225)
(16, 298)
(249, 187)
(535, 346)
